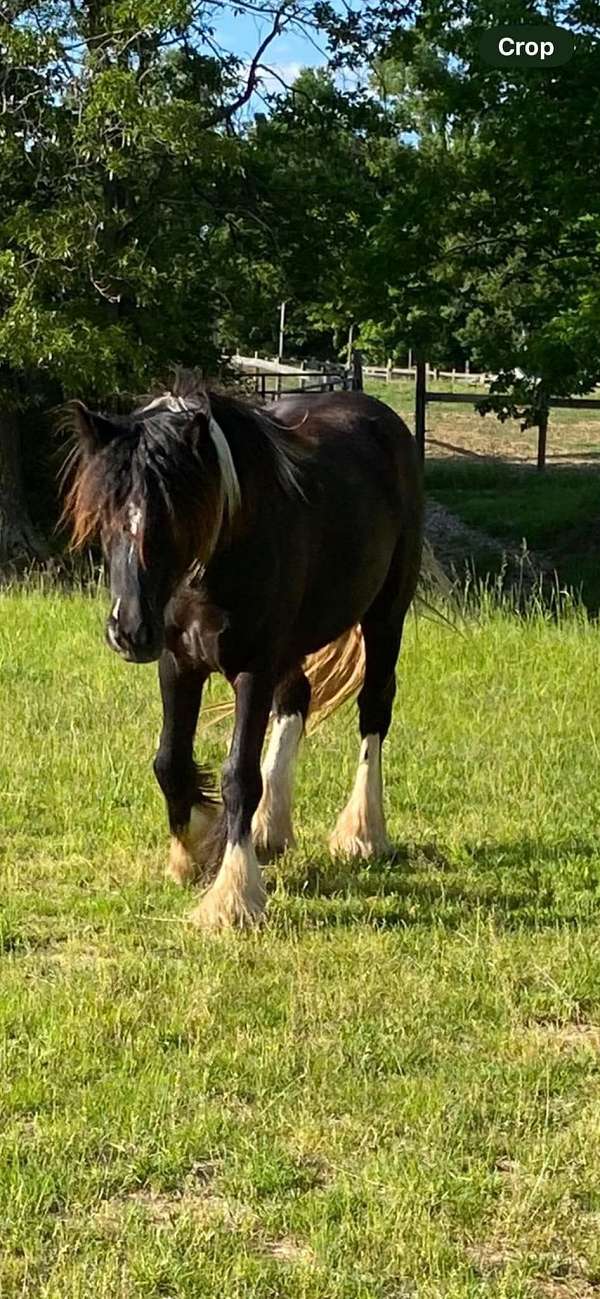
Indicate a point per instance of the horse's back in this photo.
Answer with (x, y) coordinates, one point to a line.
(366, 504)
(341, 413)
(356, 432)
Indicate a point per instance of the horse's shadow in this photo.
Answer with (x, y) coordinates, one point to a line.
(512, 882)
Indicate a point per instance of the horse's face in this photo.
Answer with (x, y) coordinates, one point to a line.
(113, 497)
(140, 589)
(155, 485)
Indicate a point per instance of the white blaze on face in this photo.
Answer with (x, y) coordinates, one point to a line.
(134, 523)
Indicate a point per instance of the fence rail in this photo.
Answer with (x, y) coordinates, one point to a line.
(390, 372)
(424, 396)
(272, 379)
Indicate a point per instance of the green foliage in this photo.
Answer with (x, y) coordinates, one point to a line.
(453, 209)
(509, 262)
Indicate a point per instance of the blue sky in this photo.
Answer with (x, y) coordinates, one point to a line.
(242, 33)
(293, 50)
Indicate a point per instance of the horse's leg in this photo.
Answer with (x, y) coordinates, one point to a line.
(272, 824)
(237, 896)
(360, 830)
(192, 815)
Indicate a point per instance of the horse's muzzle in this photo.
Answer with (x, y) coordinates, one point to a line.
(141, 646)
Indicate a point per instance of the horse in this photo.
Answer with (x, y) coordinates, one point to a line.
(281, 549)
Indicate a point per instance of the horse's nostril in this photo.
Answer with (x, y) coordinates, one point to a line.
(113, 634)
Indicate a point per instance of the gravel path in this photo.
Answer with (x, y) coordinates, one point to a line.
(454, 542)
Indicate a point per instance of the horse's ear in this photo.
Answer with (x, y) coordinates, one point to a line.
(94, 431)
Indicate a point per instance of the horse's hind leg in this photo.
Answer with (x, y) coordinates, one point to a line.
(193, 816)
(360, 830)
(272, 824)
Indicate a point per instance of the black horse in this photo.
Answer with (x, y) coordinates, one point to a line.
(281, 549)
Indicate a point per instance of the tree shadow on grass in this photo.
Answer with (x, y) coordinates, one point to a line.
(518, 884)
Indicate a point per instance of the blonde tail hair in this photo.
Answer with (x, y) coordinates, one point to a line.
(336, 673)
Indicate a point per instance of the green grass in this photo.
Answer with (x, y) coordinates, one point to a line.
(572, 434)
(392, 1090)
(556, 513)
(515, 504)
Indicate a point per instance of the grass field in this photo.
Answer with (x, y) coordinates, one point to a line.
(394, 1090)
(483, 472)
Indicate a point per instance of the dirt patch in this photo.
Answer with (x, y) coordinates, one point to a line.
(491, 1256)
(163, 1209)
(286, 1250)
(567, 1036)
(565, 1287)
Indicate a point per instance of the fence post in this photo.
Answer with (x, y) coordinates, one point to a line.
(420, 405)
(281, 331)
(388, 370)
(542, 423)
(357, 370)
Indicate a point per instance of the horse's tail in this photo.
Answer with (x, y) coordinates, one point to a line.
(336, 672)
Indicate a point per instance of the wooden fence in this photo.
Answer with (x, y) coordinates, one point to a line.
(272, 379)
(390, 372)
(423, 396)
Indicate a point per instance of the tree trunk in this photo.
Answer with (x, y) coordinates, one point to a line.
(20, 542)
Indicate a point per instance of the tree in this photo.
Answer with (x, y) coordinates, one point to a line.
(310, 200)
(508, 167)
(125, 186)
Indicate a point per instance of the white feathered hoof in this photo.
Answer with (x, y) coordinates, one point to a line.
(360, 830)
(358, 845)
(237, 898)
(271, 835)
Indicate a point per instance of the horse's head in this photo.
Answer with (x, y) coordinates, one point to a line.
(154, 486)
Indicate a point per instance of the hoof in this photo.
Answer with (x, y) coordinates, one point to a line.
(237, 898)
(268, 845)
(181, 866)
(194, 852)
(354, 847)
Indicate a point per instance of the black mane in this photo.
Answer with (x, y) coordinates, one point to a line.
(153, 458)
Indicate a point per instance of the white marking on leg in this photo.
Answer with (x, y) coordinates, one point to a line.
(360, 830)
(272, 822)
(237, 897)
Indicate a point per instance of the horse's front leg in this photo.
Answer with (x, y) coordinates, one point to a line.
(192, 815)
(237, 896)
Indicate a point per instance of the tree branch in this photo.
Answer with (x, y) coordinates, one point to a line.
(228, 111)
